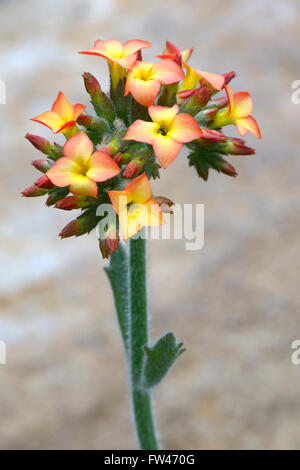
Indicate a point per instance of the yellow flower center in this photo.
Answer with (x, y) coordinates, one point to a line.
(144, 73)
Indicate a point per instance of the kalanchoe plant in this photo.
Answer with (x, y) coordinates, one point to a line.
(150, 112)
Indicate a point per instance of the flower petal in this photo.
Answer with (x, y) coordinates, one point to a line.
(62, 172)
(144, 91)
(184, 129)
(139, 189)
(216, 81)
(78, 148)
(167, 71)
(78, 109)
(250, 124)
(166, 149)
(142, 131)
(102, 167)
(119, 200)
(242, 104)
(49, 119)
(229, 93)
(83, 186)
(135, 45)
(63, 107)
(163, 114)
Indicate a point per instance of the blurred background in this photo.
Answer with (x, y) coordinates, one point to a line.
(235, 303)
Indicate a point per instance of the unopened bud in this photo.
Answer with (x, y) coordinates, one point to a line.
(210, 136)
(91, 84)
(72, 202)
(41, 165)
(228, 77)
(83, 224)
(94, 124)
(235, 146)
(165, 204)
(132, 169)
(34, 191)
(110, 241)
(228, 169)
(39, 143)
(44, 182)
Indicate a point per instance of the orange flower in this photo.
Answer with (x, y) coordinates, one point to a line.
(62, 117)
(193, 76)
(172, 52)
(238, 112)
(81, 168)
(136, 207)
(168, 131)
(123, 54)
(120, 56)
(145, 78)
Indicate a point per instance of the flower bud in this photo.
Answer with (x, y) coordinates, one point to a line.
(235, 146)
(91, 84)
(198, 97)
(34, 191)
(165, 204)
(72, 202)
(209, 113)
(228, 77)
(72, 229)
(133, 168)
(83, 224)
(94, 124)
(210, 136)
(228, 169)
(110, 241)
(41, 165)
(44, 182)
(39, 143)
(220, 102)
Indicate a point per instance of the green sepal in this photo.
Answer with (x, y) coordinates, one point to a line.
(159, 359)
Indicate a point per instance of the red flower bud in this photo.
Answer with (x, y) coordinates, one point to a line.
(228, 77)
(210, 113)
(39, 142)
(34, 191)
(72, 202)
(132, 169)
(236, 146)
(91, 84)
(211, 136)
(228, 169)
(220, 102)
(165, 204)
(110, 242)
(72, 229)
(44, 182)
(41, 165)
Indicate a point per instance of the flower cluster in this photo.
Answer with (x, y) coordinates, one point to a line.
(150, 112)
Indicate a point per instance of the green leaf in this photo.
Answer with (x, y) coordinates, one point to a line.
(159, 359)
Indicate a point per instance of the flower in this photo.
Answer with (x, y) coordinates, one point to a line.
(62, 117)
(136, 207)
(145, 78)
(168, 131)
(81, 168)
(172, 52)
(238, 112)
(123, 54)
(193, 76)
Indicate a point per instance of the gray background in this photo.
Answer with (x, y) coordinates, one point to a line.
(235, 304)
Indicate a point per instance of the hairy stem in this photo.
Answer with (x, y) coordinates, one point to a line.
(142, 404)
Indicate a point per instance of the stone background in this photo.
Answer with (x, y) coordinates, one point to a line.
(235, 304)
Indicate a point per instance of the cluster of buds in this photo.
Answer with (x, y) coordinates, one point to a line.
(150, 112)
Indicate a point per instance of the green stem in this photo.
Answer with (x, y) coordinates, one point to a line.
(118, 274)
(142, 404)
